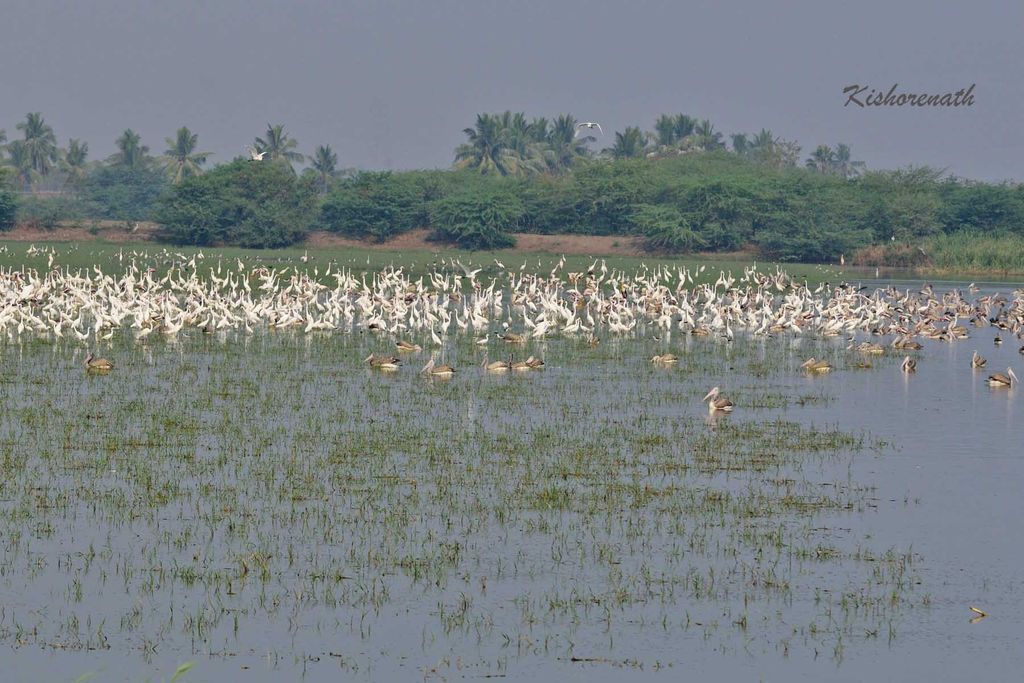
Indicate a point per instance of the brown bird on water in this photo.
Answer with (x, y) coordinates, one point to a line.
(383, 362)
(814, 365)
(717, 403)
(998, 379)
(101, 364)
(442, 370)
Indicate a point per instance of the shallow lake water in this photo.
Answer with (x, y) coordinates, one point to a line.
(269, 508)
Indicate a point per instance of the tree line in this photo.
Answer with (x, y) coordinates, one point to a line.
(680, 186)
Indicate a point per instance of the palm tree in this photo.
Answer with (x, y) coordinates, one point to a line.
(278, 144)
(684, 125)
(521, 140)
(490, 148)
(131, 153)
(822, 159)
(843, 165)
(21, 161)
(761, 148)
(3, 139)
(40, 143)
(741, 145)
(564, 149)
(665, 130)
(539, 130)
(73, 162)
(325, 163)
(630, 143)
(181, 158)
(707, 137)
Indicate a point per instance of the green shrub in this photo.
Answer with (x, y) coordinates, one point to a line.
(8, 205)
(376, 205)
(478, 219)
(48, 212)
(244, 203)
(123, 193)
(665, 229)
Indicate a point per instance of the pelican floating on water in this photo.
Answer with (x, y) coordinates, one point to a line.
(813, 365)
(665, 359)
(908, 365)
(511, 338)
(717, 403)
(977, 361)
(407, 347)
(93, 363)
(438, 370)
(998, 379)
(383, 362)
(498, 365)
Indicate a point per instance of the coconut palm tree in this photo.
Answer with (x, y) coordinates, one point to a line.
(844, 165)
(278, 144)
(707, 137)
(72, 162)
(131, 153)
(822, 159)
(665, 130)
(21, 161)
(685, 126)
(181, 158)
(630, 143)
(40, 143)
(741, 145)
(564, 149)
(539, 130)
(490, 148)
(325, 163)
(522, 141)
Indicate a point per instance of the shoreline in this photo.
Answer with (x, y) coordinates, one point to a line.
(142, 233)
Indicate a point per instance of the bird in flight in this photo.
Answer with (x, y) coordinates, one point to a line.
(588, 124)
(254, 154)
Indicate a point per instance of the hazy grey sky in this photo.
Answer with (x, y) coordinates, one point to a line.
(392, 84)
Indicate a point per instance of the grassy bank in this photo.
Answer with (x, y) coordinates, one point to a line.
(959, 252)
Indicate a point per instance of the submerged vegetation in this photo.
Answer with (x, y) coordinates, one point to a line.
(225, 492)
(681, 187)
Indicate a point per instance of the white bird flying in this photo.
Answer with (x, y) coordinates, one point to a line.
(589, 125)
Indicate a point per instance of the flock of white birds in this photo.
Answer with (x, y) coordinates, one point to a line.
(201, 294)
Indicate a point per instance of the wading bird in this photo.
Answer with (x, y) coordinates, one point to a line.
(383, 362)
(813, 365)
(437, 370)
(101, 364)
(999, 380)
(717, 403)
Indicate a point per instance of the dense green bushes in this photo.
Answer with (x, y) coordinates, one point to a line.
(8, 201)
(124, 193)
(8, 208)
(376, 205)
(480, 219)
(48, 212)
(717, 201)
(244, 203)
